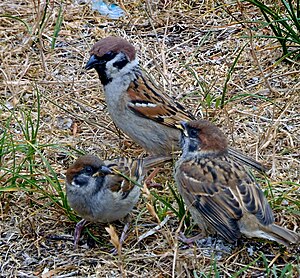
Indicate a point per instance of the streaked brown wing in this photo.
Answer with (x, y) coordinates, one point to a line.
(254, 201)
(221, 190)
(149, 103)
(215, 201)
(130, 171)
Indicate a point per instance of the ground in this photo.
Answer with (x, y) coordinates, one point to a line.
(53, 110)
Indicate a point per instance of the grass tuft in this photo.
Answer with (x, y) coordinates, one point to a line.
(283, 18)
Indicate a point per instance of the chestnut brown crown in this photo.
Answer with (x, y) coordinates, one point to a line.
(113, 44)
(210, 136)
(81, 163)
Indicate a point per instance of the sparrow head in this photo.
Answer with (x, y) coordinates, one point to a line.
(109, 55)
(203, 136)
(85, 168)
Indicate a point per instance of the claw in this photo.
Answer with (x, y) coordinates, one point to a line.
(77, 233)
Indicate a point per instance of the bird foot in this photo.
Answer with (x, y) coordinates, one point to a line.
(210, 246)
(77, 233)
(189, 241)
(148, 181)
(151, 184)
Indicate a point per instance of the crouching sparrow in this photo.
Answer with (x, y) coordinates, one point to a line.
(221, 196)
(140, 109)
(104, 192)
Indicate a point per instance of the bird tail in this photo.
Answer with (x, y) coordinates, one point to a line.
(282, 235)
(155, 161)
(239, 156)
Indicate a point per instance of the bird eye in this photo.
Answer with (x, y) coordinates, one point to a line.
(193, 133)
(89, 170)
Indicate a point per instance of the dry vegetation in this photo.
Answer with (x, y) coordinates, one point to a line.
(189, 48)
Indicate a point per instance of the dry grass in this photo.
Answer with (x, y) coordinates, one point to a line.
(188, 47)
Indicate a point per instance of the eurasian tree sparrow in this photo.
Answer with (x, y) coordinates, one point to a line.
(141, 110)
(220, 194)
(103, 192)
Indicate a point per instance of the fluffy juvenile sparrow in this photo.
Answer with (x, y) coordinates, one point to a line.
(221, 196)
(141, 110)
(105, 191)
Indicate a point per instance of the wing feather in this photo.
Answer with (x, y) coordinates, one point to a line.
(131, 171)
(254, 200)
(215, 201)
(222, 191)
(147, 102)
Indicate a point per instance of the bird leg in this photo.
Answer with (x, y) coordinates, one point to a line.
(151, 162)
(148, 180)
(124, 235)
(190, 240)
(77, 232)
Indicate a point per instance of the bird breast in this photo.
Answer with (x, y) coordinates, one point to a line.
(147, 133)
(106, 206)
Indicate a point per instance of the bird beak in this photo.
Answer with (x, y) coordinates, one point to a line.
(105, 170)
(93, 61)
(182, 126)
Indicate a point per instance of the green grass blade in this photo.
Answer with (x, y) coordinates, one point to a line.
(291, 11)
(57, 26)
(28, 27)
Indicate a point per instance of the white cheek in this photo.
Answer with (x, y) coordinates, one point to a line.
(114, 72)
(185, 147)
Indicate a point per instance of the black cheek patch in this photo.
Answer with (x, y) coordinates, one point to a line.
(81, 180)
(193, 145)
(120, 64)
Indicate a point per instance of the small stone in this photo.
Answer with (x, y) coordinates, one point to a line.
(64, 123)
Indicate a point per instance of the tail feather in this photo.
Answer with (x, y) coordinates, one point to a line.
(283, 235)
(155, 161)
(237, 155)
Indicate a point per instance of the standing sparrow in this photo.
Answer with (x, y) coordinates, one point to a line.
(141, 110)
(220, 194)
(104, 191)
